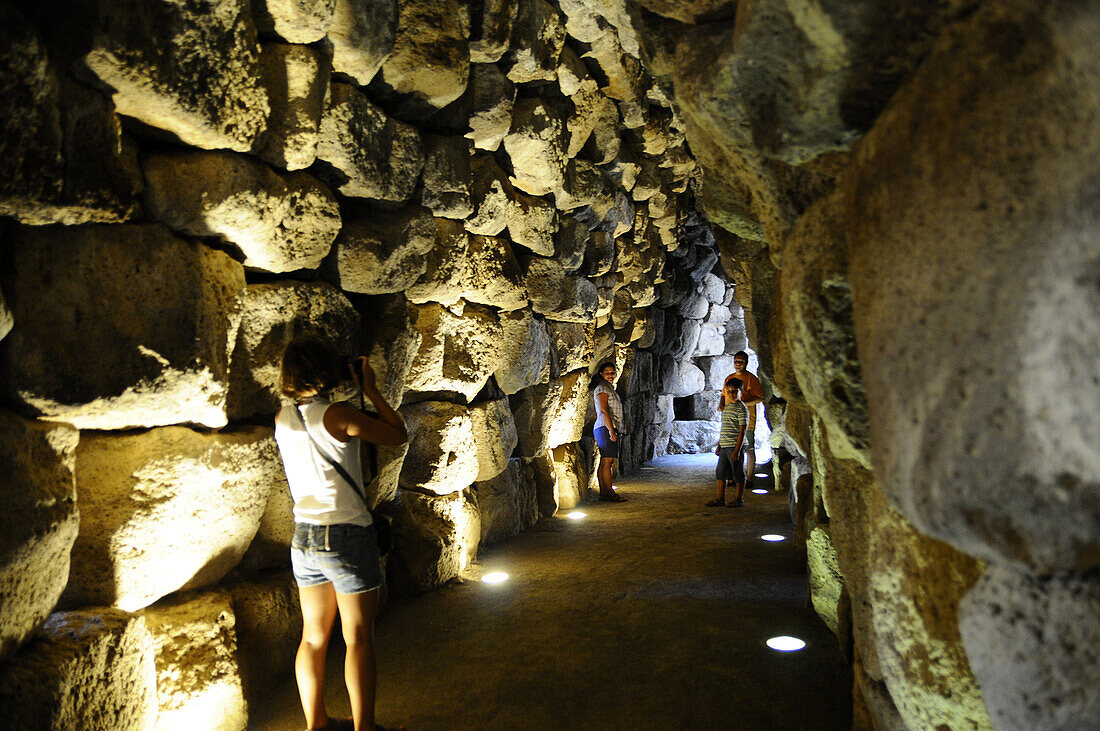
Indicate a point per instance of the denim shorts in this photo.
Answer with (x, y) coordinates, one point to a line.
(607, 447)
(346, 555)
(749, 445)
(729, 465)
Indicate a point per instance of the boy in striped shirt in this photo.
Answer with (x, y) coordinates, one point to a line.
(734, 420)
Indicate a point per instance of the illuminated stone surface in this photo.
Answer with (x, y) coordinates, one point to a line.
(430, 61)
(495, 437)
(436, 538)
(491, 194)
(536, 147)
(532, 223)
(492, 275)
(380, 251)
(297, 21)
(571, 471)
(491, 96)
(525, 349)
(558, 295)
(507, 503)
(572, 345)
(447, 176)
(568, 417)
(457, 353)
(362, 35)
(490, 38)
(153, 345)
(537, 40)
(280, 223)
(211, 489)
(296, 78)
(40, 524)
(7, 321)
(825, 580)
(443, 454)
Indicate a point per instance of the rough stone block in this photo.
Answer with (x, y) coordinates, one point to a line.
(507, 504)
(297, 79)
(443, 280)
(184, 69)
(446, 189)
(381, 252)
(195, 652)
(693, 437)
(537, 39)
(490, 98)
(536, 147)
(688, 380)
(443, 453)
(280, 223)
(362, 33)
(435, 538)
(88, 669)
(567, 421)
(600, 255)
(119, 327)
(533, 409)
(491, 34)
(570, 243)
(492, 275)
(297, 21)
(491, 195)
(525, 350)
(494, 437)
(430, 62)
(457, 353)
(269, 627)
(558, 295)
(62, 157)
(273, 314)
(825, 580)
(394, 343)
(165, 510)
(7, 320)
(539, 472)
(373, 156)
(572, 345)
(39, 526)
(270, 547)
(532, 223)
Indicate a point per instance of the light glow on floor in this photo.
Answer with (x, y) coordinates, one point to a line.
(495, 577)
(577, 515)
(772, 538)
(784, 643)
(760, 491)
(762, 475)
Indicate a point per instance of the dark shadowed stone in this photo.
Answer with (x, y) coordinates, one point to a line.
(296, 21)
(508, 503)
(379, 252)
(490, 96)
(435, 538)
(491, 33)
(446, 187)
(537, 39)
(430, 62)
(362, 34)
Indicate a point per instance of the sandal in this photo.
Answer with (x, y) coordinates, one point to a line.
(738, 503)
(716, 503)
(612, 498)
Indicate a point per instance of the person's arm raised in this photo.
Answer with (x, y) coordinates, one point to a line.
(344, 421)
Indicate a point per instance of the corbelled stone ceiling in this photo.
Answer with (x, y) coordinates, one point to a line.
(894, 205)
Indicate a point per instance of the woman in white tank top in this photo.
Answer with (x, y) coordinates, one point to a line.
(334, 553)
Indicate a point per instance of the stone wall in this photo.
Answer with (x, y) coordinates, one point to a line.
(488, 204)
(905, 196)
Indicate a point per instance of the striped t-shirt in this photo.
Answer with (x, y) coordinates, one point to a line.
(734, 416)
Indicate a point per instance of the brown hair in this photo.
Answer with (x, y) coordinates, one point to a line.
(736, 384)
(310, 366)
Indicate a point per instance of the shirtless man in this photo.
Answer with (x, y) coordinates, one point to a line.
(752, 393)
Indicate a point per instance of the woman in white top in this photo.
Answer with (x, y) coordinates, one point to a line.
(609, 420)
(334, 553)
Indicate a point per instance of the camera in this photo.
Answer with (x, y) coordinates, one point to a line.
(351, 363)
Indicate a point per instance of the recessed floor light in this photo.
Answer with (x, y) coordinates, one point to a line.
(762, 474)
(577, 515)
(784, 643)
(772, 538)
(496, 577)
(760, 491)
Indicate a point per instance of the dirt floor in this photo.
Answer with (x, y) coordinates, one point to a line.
(649, 614)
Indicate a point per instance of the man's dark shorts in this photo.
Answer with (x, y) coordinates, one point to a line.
(346, 555)
(607, 447)
(729, 465)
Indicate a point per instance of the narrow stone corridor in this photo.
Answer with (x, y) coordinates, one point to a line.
(647, 614)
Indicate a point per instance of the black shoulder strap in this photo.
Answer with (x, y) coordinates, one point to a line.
(335, 465)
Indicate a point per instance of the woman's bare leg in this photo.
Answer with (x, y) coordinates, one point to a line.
(318, 614)
(357, 621)
(603, 476)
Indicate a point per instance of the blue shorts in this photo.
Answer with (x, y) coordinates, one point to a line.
(607, 447)
(347, 555)
(729, 465)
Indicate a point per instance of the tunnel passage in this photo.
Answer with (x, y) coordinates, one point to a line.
(490, 199)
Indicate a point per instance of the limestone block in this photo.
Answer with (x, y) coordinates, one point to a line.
(664, 411)
(539, 471)
(62, 157)
(7, 321)
(270, 547)
(447, 176)
(1032, 643)
(622, 310)
(825, 580)
(600, 255)
(567, 421)
(646, 324)
(195, 652)
(491, 195)
(624, 169)
(166, 509)
(954, 461)
(916, 584)
(269, 627)
(704, 405)
(443, 454)
(457, 353)
(715, 369)
(712, 340)
(532, 223)
(430, 63)
(40, 523)
(570, 243)
(538, 36)
(494, 437)
(624, 76)
(693, 437)
(435, 538)
(373, 155)
(695, 306)
(394, 343)
(688, 380)
(571, 469)
(558, 295)
(88, 669)
(296, 78)
(535, 144)
(572, 345)
(381, 252)
(507, 504)
(144, 349)
(296, 21)
(273, 314)
(688, 339)
(583, 184)
(491, 34)
(492, 275)
(491, 97)
(280, 224)
(362, 34)
(443, 280)
(718, 315)
(590, 110)
(525, 352)
(533, 409)
(186, 70)
(737, 337)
